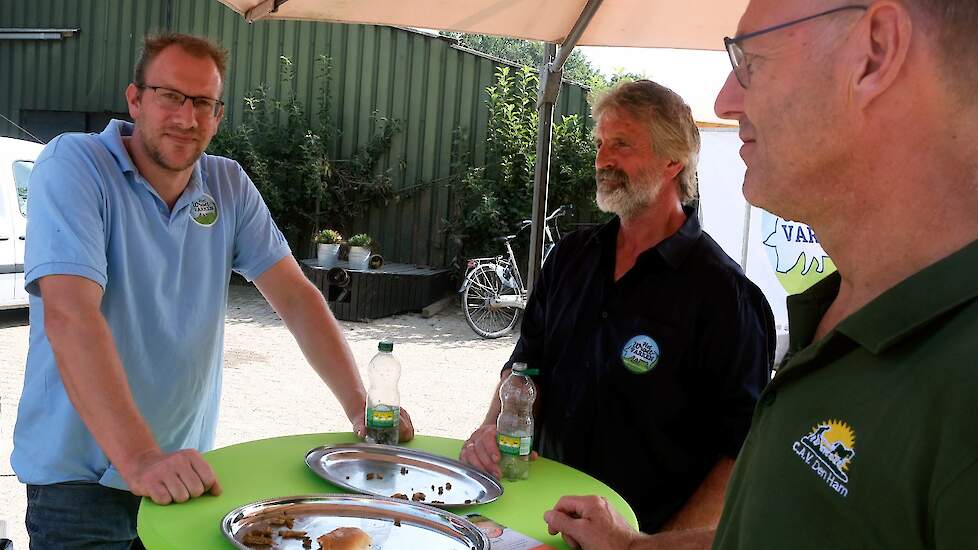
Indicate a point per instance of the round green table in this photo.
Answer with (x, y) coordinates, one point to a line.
(276, 467)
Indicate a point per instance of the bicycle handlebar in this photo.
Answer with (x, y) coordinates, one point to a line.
(560, 211)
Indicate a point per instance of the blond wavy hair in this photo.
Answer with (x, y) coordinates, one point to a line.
(670, 121)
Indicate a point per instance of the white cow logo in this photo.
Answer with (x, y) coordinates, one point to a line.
(792, 241)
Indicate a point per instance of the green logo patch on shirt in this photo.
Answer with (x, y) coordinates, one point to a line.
(204, 211)
(828, 449)
(640, 354)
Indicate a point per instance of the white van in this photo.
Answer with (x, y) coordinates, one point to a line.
(16, 162)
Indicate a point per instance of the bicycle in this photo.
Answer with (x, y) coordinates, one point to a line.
(493, 290)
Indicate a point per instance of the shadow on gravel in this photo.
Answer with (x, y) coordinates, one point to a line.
(14, 318)
(447, 329)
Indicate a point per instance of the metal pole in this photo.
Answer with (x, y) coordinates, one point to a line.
(576, 32)
(541, 174)
(550, 78)
(744, 244)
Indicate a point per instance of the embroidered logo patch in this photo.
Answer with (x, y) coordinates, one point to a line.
(204, 211)
(828, 450)
(640, 354)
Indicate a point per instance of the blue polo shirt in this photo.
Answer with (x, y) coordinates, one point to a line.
(165, 277)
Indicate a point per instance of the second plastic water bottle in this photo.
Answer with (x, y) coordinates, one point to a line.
(383, 413)
(514, 427)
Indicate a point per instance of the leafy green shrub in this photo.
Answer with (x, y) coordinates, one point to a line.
(494, 199)
(288, 158)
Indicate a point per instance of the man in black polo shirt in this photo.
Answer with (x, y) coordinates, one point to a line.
(652, 345)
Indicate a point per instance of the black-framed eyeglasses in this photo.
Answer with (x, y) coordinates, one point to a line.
(173, 100)
(738, 60)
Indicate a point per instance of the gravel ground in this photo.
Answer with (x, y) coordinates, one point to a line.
(447, 376)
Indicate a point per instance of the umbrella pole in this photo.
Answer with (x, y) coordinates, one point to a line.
(550, 78)
(546, 100)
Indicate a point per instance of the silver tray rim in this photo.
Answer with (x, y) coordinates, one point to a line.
(313, 498)
(486, 480)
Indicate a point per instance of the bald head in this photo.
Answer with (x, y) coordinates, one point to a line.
(838, 96)
(859, 117)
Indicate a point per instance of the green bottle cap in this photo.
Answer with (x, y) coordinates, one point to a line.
(385, 345)
(521, 368)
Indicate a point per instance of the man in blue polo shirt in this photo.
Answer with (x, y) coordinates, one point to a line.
(132, 237)
(652, 345)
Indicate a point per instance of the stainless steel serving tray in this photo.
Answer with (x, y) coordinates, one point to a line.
(385, 470)
(392, 524)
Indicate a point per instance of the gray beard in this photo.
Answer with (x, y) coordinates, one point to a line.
(628, 197)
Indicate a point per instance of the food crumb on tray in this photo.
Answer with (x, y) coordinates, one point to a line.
(256, 540)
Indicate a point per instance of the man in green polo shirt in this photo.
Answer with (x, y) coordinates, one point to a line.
(861, 121)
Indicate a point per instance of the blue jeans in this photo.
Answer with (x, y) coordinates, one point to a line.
(89, 516)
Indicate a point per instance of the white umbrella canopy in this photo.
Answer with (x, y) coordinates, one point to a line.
(689, 24)
(685, 24)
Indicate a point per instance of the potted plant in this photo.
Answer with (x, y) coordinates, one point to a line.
(359, 250)
(328, 247)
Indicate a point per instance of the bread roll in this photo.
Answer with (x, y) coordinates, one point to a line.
(345, 538)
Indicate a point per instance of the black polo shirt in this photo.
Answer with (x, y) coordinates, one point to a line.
(645, 382)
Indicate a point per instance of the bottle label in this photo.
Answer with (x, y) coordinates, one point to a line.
(511, 445)
(388, 418)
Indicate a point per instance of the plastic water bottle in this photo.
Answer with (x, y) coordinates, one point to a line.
(383, 400)
(514, 427)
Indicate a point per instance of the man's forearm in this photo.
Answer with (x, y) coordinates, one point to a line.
(320, 337)
(97, 386)
(691, 539)
(704, 507)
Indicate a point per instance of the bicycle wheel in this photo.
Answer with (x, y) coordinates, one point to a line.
(487, 320)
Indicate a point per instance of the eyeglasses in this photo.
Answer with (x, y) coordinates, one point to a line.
(738, 60)
(172, 100)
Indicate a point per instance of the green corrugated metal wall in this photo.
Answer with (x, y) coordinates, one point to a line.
(431, 86)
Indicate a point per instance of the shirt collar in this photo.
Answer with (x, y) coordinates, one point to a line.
(112, 136)
(916, 301)
(805, 310)
(673, 249)
(677, 247)
(896, 314)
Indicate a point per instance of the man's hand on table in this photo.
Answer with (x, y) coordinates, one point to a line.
(590, 523)
(481, 451)
(405, 426)
(171, 477)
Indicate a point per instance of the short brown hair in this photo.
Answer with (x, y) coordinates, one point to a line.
(196, 46)
(954, 24)
(670, 121)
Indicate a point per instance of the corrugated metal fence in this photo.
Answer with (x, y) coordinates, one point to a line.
(431, 85)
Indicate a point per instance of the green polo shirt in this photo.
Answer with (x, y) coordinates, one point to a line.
(868, 438)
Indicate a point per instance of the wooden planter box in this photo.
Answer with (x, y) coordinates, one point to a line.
(376, 293)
